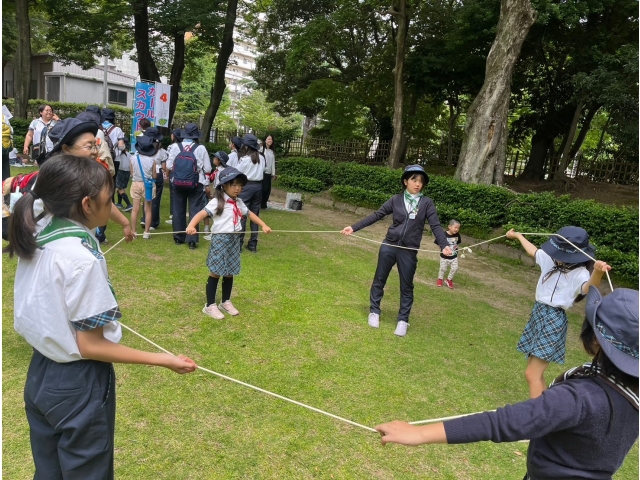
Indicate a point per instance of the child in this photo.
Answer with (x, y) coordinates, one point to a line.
(226, 210)
(410, 210)
(454, 239)
(220, 160)
(585, 424)
(235, 144)
(122, 181)
(565, 276)
(143, 168)
(72, 324)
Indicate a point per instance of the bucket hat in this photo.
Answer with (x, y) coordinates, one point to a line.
(411, 170)
(94, 109)
(237, 141)
(229, 174)
(223, 157)
(559, 249)
(614, 320)
(177, 133)
(109, 114)
(68, 129)
(153, 133)
(251, 141)
(88, 116)
(190, 130)
(145, 145)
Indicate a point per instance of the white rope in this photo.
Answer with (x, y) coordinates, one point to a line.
(444, 419)
(258, 388)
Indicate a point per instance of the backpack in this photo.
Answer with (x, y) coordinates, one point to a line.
(184, 173)
(112, 148)
(40, 150)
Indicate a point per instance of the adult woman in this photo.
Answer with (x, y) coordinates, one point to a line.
(75, 137)
(252, 164)
(270, 169)
(38, 133)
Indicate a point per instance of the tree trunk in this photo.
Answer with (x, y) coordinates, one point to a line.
(399, 12)
(599, 148)
(219, 84)
(568, 141)
(22, 60)
(385, 135)
(483, 152)
(146, 65)
(454, 113)
(176, 72)
(586, 126)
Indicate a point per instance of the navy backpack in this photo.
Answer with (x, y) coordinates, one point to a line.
(184, 173)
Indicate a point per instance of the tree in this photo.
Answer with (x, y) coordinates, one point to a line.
(483, 153)
(22, 59)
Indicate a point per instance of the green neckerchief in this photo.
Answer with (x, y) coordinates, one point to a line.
(59, 228)
(413, 202)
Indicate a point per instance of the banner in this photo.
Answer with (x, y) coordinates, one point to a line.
(143, 107)
(162, 99)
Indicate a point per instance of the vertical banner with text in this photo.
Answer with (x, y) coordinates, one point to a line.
(162, 99)
(143, 107)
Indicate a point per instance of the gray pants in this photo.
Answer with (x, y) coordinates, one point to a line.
(407, 261)
(71, 409)
(444, 264)
(251, 195)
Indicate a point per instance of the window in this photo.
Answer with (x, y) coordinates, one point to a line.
(53, 89)
(117, 97)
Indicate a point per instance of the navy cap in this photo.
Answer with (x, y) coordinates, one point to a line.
(228, 175)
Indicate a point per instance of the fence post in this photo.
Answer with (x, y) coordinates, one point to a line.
(515, 163)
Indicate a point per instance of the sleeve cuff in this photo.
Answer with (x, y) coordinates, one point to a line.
(99, 320)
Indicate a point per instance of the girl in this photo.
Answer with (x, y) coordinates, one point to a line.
(235, 144)
(564, 278)
(454, 239)
(226, 209)
(585, 424)
(252, 164)
(143, 169)
(72, 324)
(220, 160)
(269, 171)
(122, 180)
(410, 210)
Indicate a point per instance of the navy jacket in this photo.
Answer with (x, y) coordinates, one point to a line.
(404, 231)
(579, 428)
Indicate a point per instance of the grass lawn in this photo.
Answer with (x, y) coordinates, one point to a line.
(302, 333)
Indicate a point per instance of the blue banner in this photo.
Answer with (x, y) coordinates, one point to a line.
(143, 107)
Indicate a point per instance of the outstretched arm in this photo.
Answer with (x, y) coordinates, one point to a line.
(117, 216)
(256, 219)
(411, 435)
(200, 216)
(529, 247)
(598, 271)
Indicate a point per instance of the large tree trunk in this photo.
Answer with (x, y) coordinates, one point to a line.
(454, 113)
(586, 126)
(568, 141)
(483, 152)
(146, 65)
(399, 12)
(385, 135)
(22, 60)
(219, 84)
(534, 169)
(176, 72)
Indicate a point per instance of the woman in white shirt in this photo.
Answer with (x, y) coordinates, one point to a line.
(38, 133)
(270, 169)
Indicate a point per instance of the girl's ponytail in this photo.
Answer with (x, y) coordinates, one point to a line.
(22, 228)
(219, 196)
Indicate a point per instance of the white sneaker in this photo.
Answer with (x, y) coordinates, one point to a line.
(213, 311)
(228, 306)
(170, 222)
(207, 237)
(401, 329)
(374, 320)
(146, 236)
(207, 229)
(152, 228)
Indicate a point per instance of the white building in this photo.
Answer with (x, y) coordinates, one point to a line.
(241, 63)
(52, 81)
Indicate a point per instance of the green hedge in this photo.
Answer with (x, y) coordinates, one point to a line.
(306, 167)
(359, 196)
(304, 184)
(215, 147)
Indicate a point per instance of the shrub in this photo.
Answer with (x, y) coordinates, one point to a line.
(469, 219)
(380, 179)
(359, 196)
(18, 142)
(306, 167)
(215, 147)
(305, 184)
(20, 126)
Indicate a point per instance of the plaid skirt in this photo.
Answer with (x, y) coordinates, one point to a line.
(545, 334)
(224, 254)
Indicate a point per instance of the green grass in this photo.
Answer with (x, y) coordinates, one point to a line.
(302, 333)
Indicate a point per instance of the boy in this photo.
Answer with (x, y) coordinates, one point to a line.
(454, 239)
(145, 158)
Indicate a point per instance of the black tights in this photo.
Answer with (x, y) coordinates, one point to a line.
(212, 286)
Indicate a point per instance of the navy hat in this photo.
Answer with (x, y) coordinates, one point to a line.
(251, 141)
(228, 175)
(109, 114)
(153, 133)
(67, 130)
(145, 145)
(88, 116)
(614, 320)
(411, 170)
(177, 133)
(561, 250)
(94, 109)
(191, 130)
(237, 141)
(222, 156)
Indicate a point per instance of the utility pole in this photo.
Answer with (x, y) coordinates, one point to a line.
(105, 93)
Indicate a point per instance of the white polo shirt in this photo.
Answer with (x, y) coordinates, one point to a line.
(253, 171)
(73, 294)
(38, 126)
(224, 222)
(233, 159)
(202, 158)
(561, 289)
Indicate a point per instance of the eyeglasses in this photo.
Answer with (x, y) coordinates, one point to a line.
(91, 148)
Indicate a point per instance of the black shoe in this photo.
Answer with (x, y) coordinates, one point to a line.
(251, 249)
(178, 242)
(193, 245)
